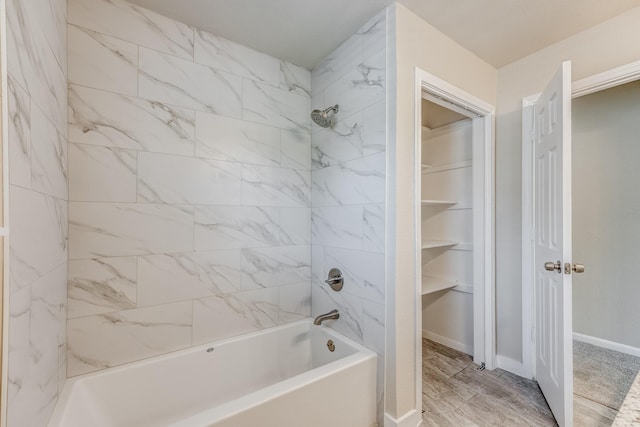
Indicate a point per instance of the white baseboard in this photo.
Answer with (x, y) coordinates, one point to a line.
(599, 342)
(511, 365)
(467, 349)
(412, 418)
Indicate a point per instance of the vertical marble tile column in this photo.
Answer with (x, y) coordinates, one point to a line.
(36, 60)
(348, 180)
(189, 187)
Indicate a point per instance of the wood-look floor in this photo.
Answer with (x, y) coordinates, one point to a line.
(456, 394)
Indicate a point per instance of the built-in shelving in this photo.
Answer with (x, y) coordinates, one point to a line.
(431, 244)
(426, 166)
(431, 284)
(446, 167)
(438, 202)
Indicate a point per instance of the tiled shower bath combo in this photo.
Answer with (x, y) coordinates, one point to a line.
(187, 198)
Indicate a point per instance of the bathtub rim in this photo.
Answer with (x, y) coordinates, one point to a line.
(361, 354)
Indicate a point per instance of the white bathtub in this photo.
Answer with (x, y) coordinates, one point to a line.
(281, 377)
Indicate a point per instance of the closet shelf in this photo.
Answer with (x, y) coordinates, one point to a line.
(431, 244)
(447, 166)
(438, 202)
(426, 166)
(431, 284)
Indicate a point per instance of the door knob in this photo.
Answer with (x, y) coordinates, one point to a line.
(576, 268)
(553, 266)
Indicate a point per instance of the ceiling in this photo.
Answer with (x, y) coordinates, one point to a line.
(434, 116)
(305, 31)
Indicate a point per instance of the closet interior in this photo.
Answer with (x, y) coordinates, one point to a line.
(447, 227)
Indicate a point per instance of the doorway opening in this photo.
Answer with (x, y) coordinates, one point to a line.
(593, 394)
(606, 238)
(454, 175)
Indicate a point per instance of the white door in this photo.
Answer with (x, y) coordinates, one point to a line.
(553, 289)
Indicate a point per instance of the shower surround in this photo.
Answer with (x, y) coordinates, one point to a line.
(189, 187)
(36, 98)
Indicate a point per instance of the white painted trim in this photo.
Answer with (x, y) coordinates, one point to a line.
(608, 79)
(528, 252)
(513, 366)
(605, 80)
(483, 116)
(610, 345)
(456, 345)
(412, 418)
(4, 284)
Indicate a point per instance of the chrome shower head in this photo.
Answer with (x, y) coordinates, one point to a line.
(323, 118)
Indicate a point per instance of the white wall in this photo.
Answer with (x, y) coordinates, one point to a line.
(348, 187)
(37, 130)
(598, 49)
(606, 204)
(189, 187)
(417, 44)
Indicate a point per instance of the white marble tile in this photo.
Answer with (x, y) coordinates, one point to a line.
(229, 315)
(295, 226)
(176, 277)
(221, 270)
(295, 150)
(350, 309)
(355, 182)
(275, 266)
(35, 67)
(234, 58)
(19, 135)
(106, 340)
(113, 120)
(342, 142)
(102, 62)
(374, 132)
(34, 380)
(224, 138)
(229, 227)
(373, 327)
(374, 34)
(101, 174)
(113, 229)
(119, 18)
(318, 269)
(166, 178)
(48, 314)
(272, 106)
(101, 285)
(38, 235)
(32, 377)
(50, 16)
(364, 272)
(295, 79)
(18, 345)
(167, 278)
(373, 228)
(49, 169)
(343, 59)
(168, 79)
(294, 302)
(339, 227)
(268, 186)
(361, 87)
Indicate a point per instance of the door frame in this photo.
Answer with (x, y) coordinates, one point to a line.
(614, 77)
(483, 118)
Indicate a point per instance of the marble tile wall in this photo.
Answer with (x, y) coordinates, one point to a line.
(189, 187)
(38, 175)
(348, 179)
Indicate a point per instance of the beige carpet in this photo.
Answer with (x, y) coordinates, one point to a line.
(602, 375)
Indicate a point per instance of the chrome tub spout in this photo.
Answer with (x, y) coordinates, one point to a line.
(332, 315)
